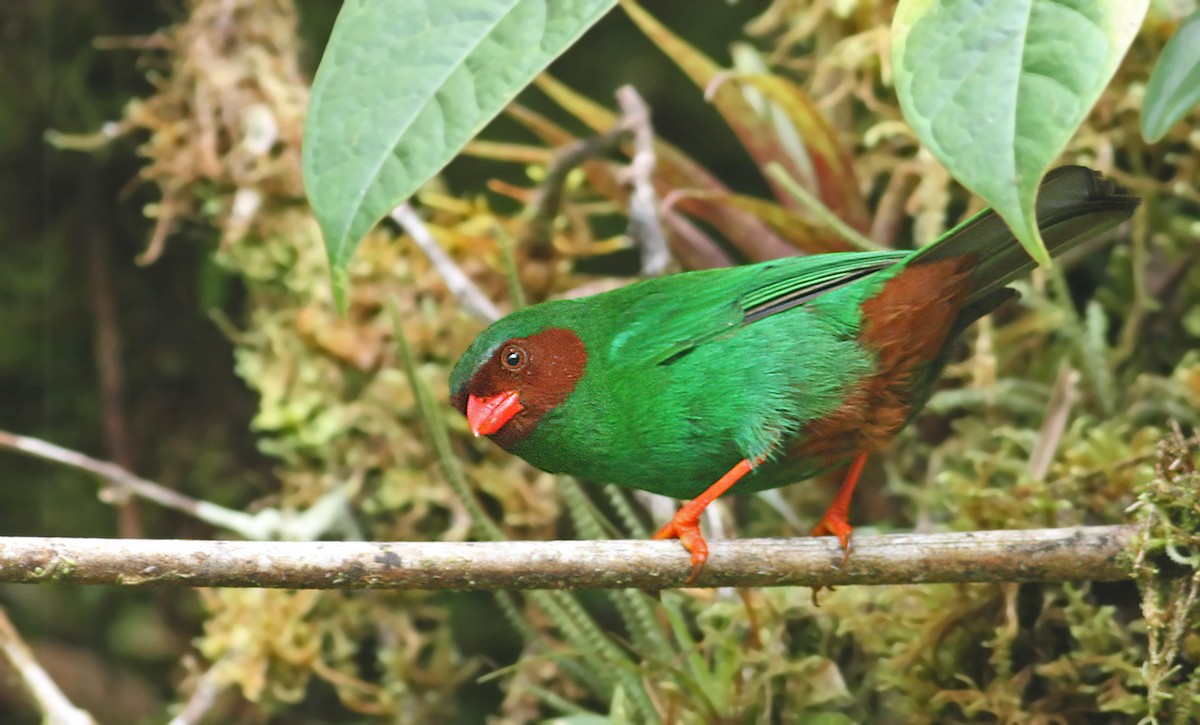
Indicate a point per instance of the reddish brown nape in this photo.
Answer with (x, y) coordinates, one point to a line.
(906, 325)
(556, 359)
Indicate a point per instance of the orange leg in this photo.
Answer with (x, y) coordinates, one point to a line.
(836, 521)
(685, 526)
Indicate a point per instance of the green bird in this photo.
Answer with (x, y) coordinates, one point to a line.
(753, 377)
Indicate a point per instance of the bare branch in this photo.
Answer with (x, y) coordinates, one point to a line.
(1036, 555)
(50, 701)
(327, 514)
(460, 285)
(645, 228)
(208, 693)
(544, 207)
(1058, 414)
(121, 479)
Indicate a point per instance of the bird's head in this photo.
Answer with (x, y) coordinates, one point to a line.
(515, 372)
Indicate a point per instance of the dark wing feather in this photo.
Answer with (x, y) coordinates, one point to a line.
(826, 273)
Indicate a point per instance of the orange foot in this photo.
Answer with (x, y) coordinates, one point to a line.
(685, 526)
(836, 520)
(835, 524)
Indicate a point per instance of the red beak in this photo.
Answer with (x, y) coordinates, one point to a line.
(488, 415)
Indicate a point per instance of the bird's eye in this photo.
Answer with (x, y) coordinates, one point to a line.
(514, 358)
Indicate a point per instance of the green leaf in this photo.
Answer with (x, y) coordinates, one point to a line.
(404, 85)
(996, 89)
(1174, 85)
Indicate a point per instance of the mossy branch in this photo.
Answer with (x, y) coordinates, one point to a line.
(1035, 555)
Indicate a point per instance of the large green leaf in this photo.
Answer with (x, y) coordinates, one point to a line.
(404, 85)
(996, 89)
(1174, 85)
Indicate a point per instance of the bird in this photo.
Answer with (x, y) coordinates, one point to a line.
(752, 377)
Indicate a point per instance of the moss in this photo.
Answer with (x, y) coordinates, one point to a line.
(1166, 561)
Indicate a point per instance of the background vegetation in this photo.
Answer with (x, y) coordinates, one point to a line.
(165, 304)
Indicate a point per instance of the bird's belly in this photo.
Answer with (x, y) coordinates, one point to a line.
(664, 467)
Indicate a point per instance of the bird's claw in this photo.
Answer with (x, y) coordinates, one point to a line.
(687, 530)
(839, 527)
(833, 525)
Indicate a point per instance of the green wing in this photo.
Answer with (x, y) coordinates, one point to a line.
(671, 316)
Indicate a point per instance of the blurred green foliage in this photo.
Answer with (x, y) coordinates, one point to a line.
(208, 105)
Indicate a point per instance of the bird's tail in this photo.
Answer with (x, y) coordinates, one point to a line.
(1074, 204)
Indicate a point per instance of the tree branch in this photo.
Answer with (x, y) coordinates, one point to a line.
(1036, 555)
(51, 702)
(645, 227)
(328, 513)
(457, 281)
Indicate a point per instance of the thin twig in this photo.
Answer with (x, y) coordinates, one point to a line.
(460, 285)
(50, 701)
(508, 246)
(1035, 555)
(435, 427)
(693, 247)
(107, 354)
(207, 695)
(112, 473)
(331, 512)
(1058, 414)
(645, 227)
(543, 209)
(889, 211)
